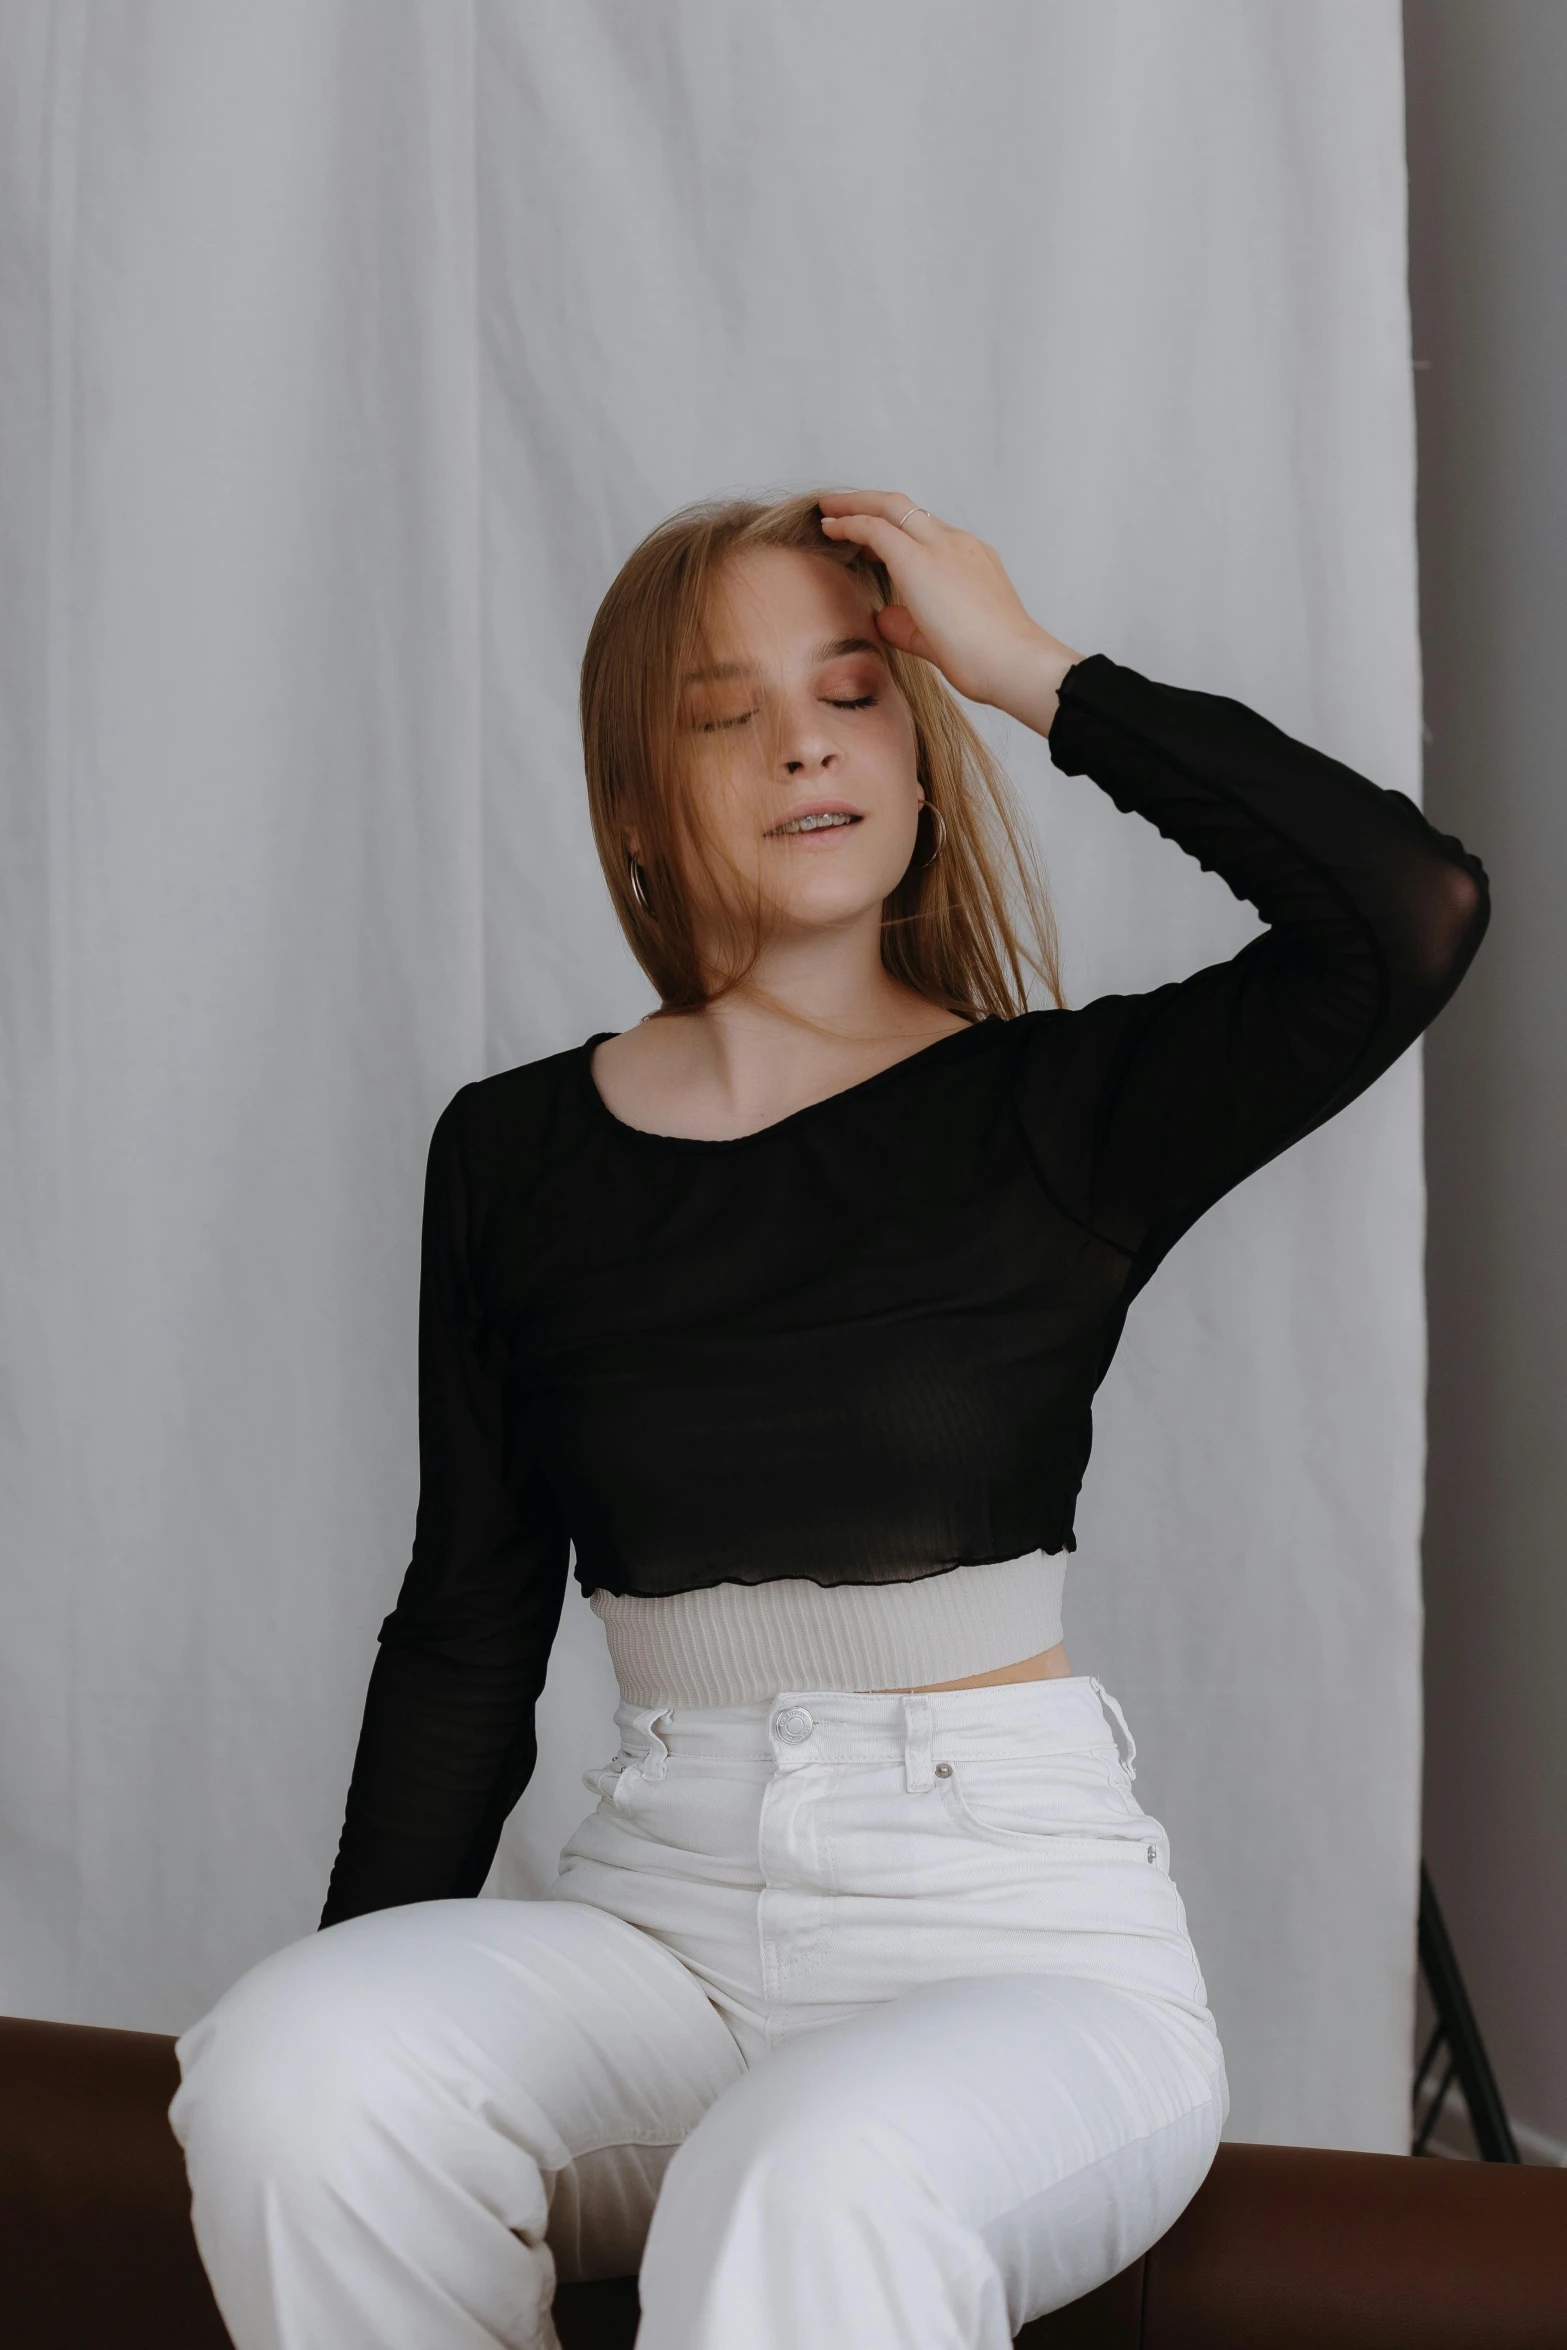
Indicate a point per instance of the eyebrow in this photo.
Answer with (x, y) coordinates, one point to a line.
(833, 650)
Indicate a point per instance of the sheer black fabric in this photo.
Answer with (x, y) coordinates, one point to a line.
(863, 1344)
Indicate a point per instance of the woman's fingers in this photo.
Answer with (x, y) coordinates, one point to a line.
(953, 604)
(868, 530)
(885, 506)
(889, 504)
(942, 605)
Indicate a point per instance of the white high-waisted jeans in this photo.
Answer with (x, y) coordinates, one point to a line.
(851, 2018)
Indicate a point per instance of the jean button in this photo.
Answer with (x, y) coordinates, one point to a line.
(794, 1723)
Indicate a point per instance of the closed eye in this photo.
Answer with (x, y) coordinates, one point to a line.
(744, 717)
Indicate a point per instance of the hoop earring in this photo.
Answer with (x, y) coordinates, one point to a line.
(940, 823)
(638, 885)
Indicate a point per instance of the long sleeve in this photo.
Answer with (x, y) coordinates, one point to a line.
(447, 1743)
(1143, 1110)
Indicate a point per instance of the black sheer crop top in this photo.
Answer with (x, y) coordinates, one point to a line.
(862, 1344)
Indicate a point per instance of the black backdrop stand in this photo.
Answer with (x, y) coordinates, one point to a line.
(1458, 2034)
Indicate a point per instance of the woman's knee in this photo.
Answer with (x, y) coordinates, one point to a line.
(451, 2026)
(289, 2067)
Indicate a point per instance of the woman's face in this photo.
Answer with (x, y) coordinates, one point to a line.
(801, 748)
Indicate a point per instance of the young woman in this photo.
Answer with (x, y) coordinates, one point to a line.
(863, 2010)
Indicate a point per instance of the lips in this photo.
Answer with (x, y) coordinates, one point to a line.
(815, 816)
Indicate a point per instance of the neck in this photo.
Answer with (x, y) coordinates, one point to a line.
(832, 984)
(815, 1013)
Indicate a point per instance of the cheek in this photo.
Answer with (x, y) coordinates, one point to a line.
(901, 836)
(892, 749)
(732, 810)
(723, 788)
(726, 801)
(892, 771)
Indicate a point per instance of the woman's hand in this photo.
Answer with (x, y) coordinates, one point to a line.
(956, 607)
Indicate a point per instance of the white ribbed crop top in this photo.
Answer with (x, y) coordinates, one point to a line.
(745, 1643)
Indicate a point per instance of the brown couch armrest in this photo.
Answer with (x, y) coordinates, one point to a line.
(95, 2241)
(1302, 2250)
(1280, 2249)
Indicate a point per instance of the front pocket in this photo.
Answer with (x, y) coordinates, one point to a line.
(602, 1781)
(1048, 1801)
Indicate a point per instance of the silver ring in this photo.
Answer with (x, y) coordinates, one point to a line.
(904, 516)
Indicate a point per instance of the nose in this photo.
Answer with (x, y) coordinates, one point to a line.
(808, 746)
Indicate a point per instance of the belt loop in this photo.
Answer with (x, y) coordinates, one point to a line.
(917, 1769)
(1107, 1701)
(655, 1763)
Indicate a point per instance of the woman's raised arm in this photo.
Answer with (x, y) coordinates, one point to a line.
(1145, 1109)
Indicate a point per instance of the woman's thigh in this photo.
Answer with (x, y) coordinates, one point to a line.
(1020, 2137)
(538, 2060)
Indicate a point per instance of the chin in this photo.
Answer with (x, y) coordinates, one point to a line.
(838, 894)
(829, 909)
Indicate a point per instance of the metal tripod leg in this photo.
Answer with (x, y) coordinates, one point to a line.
(1457, 2032)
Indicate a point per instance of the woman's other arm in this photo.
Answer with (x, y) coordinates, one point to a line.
(447, 1743)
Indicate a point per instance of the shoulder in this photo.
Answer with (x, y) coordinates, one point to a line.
(1061, 1061)
(1060, 1035)
(515, 1111)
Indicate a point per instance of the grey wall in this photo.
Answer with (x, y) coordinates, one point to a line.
(1487, 83)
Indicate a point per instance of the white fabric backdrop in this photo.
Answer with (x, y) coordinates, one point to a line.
(345, 349)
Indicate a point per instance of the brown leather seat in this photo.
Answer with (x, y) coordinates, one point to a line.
(1281, 2250)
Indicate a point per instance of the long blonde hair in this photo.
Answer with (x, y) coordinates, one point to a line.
(965, 928)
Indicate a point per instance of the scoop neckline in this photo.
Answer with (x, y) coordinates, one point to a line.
(919, 1058)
